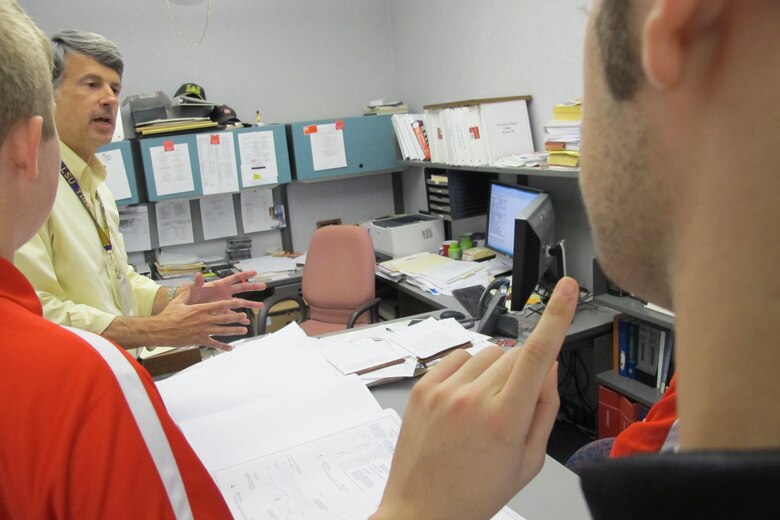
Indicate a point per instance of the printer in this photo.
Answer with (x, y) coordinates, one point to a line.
(402, 235)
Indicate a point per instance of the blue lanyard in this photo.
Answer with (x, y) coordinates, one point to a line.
(105, 240)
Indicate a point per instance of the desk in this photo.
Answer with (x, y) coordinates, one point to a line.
(590, 321)
(555, 492)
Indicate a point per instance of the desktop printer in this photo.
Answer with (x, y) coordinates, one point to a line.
(403, 235)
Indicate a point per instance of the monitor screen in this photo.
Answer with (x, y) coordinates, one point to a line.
(521, 230)
(506, 203)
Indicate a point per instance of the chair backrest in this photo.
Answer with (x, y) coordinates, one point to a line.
(338, 275)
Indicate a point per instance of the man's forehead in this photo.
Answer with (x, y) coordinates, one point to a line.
(88, 66)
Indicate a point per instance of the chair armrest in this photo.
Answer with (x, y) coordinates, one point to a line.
(262, 316)
(372, 305)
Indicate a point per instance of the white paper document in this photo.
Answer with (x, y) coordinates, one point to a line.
(134, 226)
(431, 337)
(257, 156)
(174, 222)
(339, 477)
(269, 264)
(327, 148)
(116, 174)
(172, 169)
(363, 355)
(218, 216)
(217, 159)
(256, 209)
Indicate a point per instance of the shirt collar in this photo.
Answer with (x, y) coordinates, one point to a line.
(17, 288)
(90, 175)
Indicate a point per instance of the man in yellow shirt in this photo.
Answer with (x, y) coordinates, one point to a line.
(77, 261)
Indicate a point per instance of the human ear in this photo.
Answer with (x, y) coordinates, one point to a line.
(22, 141)
(668, 34)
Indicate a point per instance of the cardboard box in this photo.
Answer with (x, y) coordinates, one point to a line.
(282, 314)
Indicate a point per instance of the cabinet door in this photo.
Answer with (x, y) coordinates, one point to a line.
(334, 148)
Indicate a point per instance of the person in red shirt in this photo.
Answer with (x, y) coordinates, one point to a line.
(84, 432)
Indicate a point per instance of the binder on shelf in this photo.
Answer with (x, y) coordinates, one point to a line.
(117, 157)
(478, 132)
(369, 146)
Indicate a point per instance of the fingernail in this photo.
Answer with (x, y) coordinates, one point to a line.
(566, 287)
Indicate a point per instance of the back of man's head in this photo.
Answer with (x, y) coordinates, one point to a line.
(95, 46)
(25, 68)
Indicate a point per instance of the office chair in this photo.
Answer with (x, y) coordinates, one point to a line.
(338, 282)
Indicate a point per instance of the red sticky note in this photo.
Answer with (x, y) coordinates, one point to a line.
(311, 129)
(168, 146)
(215, 139)
(339, 124)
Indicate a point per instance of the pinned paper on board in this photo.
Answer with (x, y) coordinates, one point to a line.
(172, 169)
(258, 159)
(174, 222)
(217, 158)
(256, 210)
(134, 226)
(116, 174)
(218, 217)
(327, 146)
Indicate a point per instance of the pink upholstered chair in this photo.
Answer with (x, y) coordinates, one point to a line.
(338, 282)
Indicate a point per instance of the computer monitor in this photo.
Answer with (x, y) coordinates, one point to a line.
(521, 230)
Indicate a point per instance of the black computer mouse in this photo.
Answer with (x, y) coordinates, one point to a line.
(449, 313)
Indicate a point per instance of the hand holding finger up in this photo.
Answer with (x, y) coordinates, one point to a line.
(476, 429)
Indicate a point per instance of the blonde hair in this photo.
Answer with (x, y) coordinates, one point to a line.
(25, 71)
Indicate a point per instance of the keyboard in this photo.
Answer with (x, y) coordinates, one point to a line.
(469, 298)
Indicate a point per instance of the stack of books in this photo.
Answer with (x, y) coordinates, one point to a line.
(380, 106)
(562, 142)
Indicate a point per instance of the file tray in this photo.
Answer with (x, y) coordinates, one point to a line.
(464, 195)
(369, 147)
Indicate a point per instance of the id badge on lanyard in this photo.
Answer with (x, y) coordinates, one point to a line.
(123, 292)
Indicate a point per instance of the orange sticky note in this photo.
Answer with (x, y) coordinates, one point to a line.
(311, 129)
(215, 139)
(168, 146)
(339, 124)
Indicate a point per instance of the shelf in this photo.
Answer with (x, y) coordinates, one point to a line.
(634, 307)
(568, 173)
(634, 390)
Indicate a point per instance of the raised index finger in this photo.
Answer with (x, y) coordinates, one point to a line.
(541, 348)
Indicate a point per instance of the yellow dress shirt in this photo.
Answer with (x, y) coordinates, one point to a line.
(65, 260)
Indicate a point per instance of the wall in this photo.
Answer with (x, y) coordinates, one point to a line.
(292, 60)
(448, 50)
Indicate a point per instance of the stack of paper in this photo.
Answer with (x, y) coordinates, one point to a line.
(269, 264)
(181, 124)
(175, 265)
(273, 419)
(563, 134)
(434, 273)
(380, 106)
